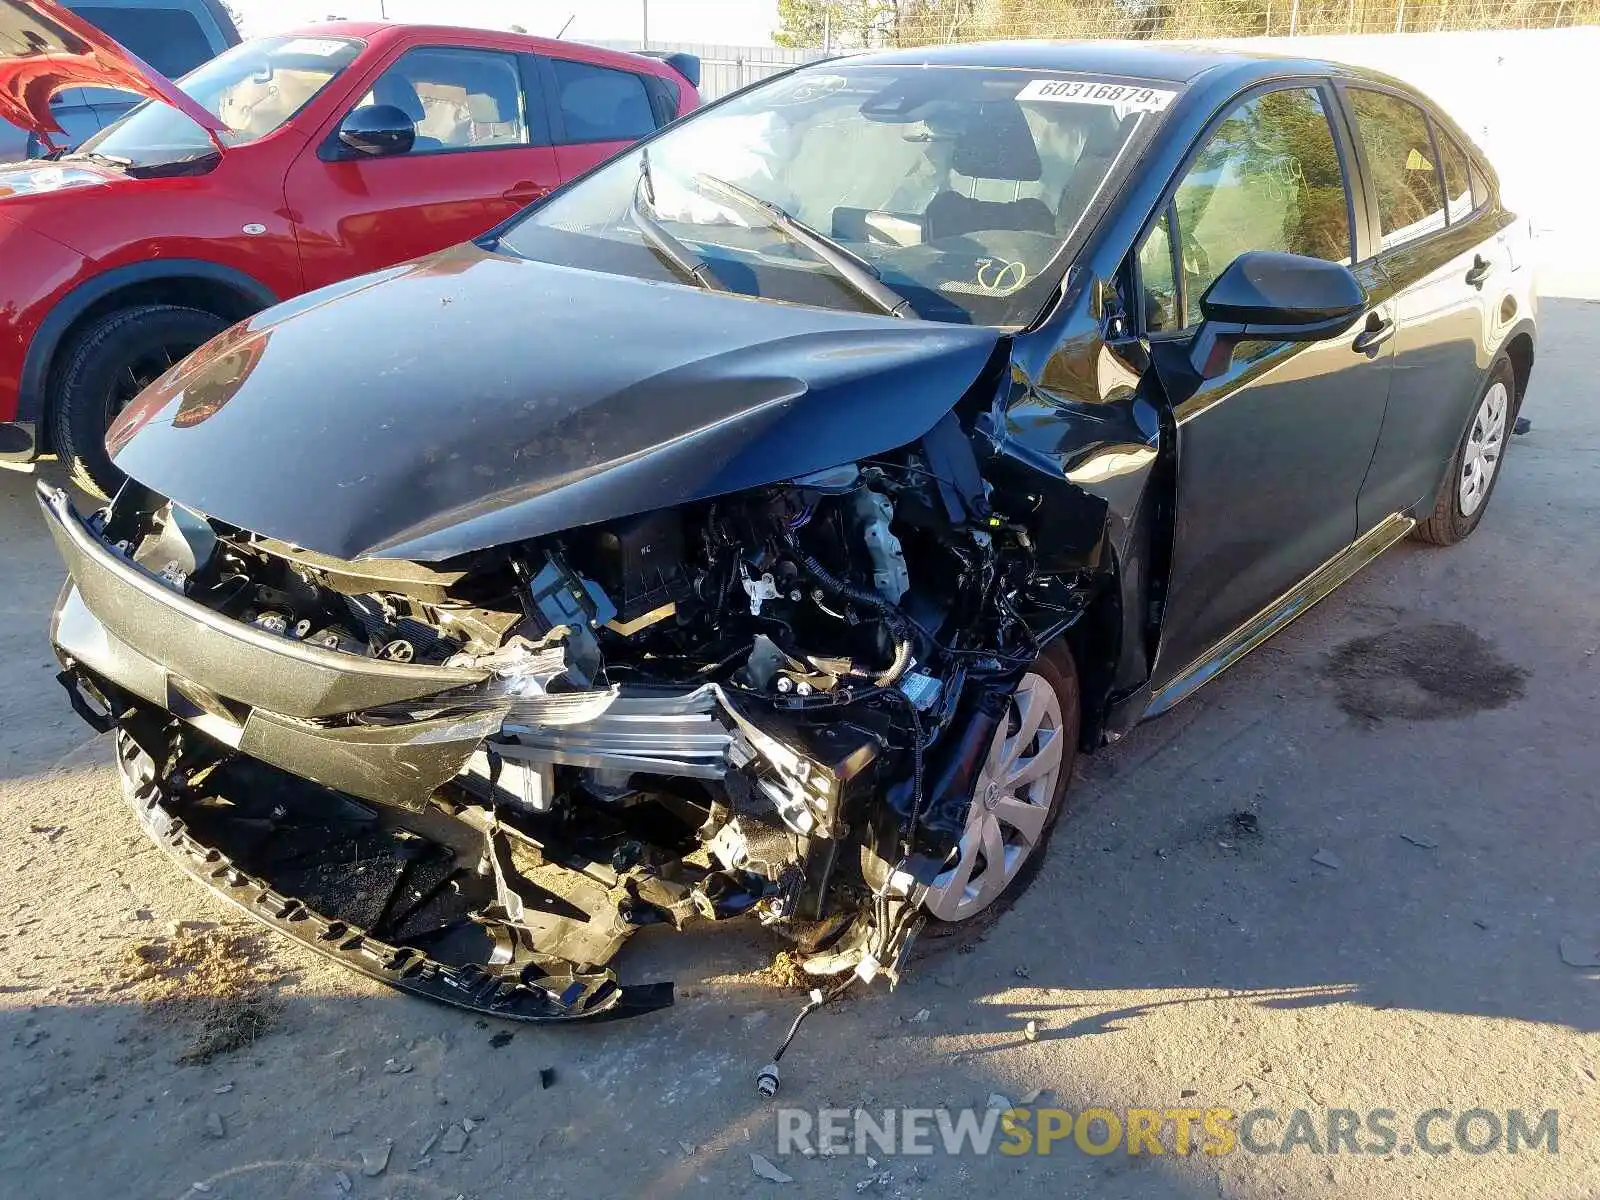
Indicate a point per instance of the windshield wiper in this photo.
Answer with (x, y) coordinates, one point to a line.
(674, 250)
(850, 267)
(112, 160)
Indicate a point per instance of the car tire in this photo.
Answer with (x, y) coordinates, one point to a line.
(1056, 673)
(1461, 500)
(109, 363)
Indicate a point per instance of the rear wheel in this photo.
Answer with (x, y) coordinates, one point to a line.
(1020, 794)
(1469, 481)
(110, 363)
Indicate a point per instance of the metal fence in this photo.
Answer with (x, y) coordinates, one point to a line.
(841, 26)
(855, 24)
(726, 68)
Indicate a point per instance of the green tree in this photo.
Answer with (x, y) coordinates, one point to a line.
(800, 24)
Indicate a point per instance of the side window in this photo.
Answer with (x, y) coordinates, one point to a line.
(1399, 151)
(599, 104)
(1480, 186)
(458, 99)
(1269, 178)
(1457, 184)
(1157, 278)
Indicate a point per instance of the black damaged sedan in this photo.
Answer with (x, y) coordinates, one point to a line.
(759, 526)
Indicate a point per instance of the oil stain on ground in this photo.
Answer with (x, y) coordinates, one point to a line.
(1422, 672)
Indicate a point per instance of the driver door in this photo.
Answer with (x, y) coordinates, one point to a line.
(482, 151)
(1272, 453)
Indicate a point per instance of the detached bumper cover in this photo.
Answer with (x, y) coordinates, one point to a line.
(529, 995)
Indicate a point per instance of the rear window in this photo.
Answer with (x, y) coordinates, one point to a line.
(599, 104)
(169, 39)
(1400, 159)
(1457, 181)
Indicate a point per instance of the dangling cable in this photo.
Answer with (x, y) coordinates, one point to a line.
(768, 1079)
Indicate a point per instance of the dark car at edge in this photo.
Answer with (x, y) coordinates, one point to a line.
(759, 525)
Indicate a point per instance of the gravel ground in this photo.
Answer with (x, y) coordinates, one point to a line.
(1419, 756)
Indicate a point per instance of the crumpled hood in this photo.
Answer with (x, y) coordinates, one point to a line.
(469, 400)
(45, 49)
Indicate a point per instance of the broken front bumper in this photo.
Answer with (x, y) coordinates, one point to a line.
(299, 707)
(253, 691)
(432, 746)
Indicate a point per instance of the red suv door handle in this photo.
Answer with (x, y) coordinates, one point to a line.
(525, 192)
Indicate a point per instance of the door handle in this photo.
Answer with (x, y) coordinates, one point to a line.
(1377, 332)
(1481, 270)
(525, 192)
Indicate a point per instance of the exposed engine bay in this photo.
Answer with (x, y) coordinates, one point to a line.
(772, 704)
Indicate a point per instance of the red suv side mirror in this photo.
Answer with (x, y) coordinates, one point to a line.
(377, 130)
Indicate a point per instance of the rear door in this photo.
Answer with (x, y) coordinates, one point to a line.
(482, 151)
(595, 111)
(1271, 454)
(1438, 247)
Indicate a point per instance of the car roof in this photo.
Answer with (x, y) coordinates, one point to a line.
(1169, 62)
(377, 32)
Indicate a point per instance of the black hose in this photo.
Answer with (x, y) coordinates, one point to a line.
(898, 667)
(899, 624)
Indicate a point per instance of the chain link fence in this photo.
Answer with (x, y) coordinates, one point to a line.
(725, 69)
(840, 25)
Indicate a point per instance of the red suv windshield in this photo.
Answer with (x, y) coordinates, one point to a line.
(254, 88)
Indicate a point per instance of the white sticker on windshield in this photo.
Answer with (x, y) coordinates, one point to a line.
(315, 47)
(1125, 97)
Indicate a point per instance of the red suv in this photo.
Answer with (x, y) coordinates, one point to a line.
(283, 165)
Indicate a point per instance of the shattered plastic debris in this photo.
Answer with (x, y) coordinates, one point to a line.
(1031, 1031)
(454, 1140)
(376, 1162)
(1423, 843)
(997, 1100)
(1580, 952)
(763, 1167)
(1327, 858)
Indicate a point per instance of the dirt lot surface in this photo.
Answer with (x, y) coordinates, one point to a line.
(1419, 765)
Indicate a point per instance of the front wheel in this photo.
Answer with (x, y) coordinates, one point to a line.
(1020, 793)
(110, 363)
(1469, 480)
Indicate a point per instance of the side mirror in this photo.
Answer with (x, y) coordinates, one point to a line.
(378, 130)
(1267, 296)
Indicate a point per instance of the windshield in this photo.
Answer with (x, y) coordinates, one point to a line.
(253, 89)
(956, 187)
